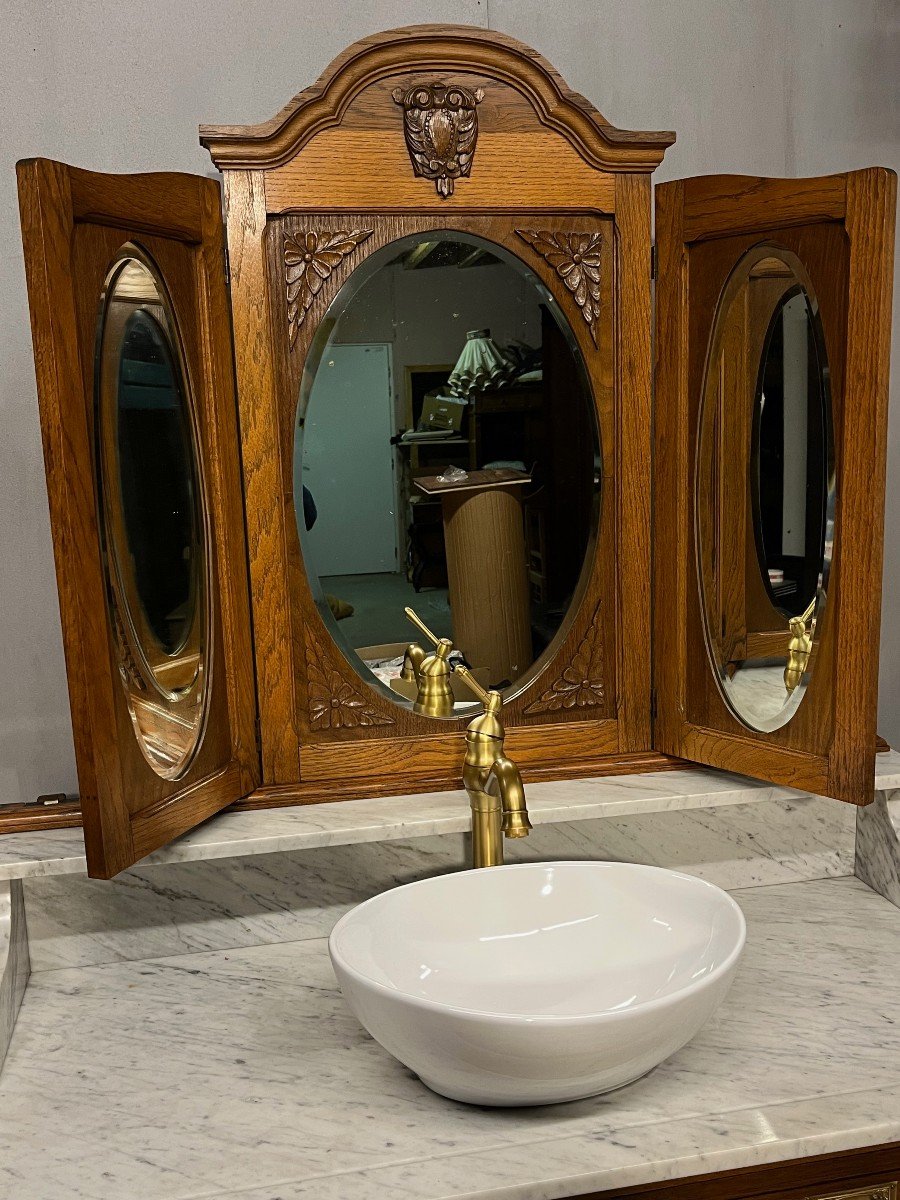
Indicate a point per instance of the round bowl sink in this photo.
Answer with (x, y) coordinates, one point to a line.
(538, 982)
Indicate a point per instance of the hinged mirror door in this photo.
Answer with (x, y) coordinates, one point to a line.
(773, 332)
(132, 344)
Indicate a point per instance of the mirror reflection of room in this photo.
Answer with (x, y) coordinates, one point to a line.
(151, 514)
(766, 499)
(447, 459)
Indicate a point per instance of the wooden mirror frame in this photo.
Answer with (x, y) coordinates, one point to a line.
(342, 157)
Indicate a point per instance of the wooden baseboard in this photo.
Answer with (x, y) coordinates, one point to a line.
(319, 792)
(862, 1174)
(29, 818)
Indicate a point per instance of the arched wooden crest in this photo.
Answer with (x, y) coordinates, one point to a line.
(426, 51)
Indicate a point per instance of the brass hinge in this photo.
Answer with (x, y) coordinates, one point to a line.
(257, 726)
(654, 705)
(226, 262)
(653, 262)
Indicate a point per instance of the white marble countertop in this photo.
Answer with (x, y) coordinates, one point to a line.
(240, 1074)
(394, 818)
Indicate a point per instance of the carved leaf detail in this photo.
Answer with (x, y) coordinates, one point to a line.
(581, 683)
(440, 124)
(576, 259)
(333, 702)
(310, 257)
(127, 665)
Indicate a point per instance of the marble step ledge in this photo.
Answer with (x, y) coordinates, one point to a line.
(398, 818)
(878, 845)
(15, 966)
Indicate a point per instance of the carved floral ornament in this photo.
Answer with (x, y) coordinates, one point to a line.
(440, 123)
(576, 258)
(581, 683)
(310, 258)
(333, 702)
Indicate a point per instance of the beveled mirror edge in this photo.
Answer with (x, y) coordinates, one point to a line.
(365, 267)
(739, 276)
(188, 706)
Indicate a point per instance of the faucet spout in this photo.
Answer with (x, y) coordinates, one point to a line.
(504, 778)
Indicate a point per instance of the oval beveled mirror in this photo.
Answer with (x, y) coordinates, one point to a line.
(151, 513)
(765, 488)
(447, 459)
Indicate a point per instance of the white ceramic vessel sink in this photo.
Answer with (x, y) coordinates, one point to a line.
(538, 982)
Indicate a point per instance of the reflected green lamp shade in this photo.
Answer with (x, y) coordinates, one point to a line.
(481, 365)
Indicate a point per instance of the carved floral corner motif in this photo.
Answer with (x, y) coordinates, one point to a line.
(440, 124)
(128, 668)
(333, 702)
(581, 683)
(310, 258)
(575, 257)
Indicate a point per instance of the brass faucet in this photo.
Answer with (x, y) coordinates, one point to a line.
(496, 791)
(799, 648)
(434, 696)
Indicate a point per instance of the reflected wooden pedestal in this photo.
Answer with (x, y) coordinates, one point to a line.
(486, 568)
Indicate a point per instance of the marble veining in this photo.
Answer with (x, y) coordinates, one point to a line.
(14, 961)
(230, 834)
(878, 845)
(241, 1073)
(179, 908)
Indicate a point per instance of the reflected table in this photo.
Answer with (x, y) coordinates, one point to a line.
(486, 568)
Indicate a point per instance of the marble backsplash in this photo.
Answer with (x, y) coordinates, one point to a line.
(181, 908)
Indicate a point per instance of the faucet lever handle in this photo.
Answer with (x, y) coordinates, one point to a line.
(474, 686)
(422, 627)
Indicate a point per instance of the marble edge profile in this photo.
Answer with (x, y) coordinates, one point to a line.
(632, 1156)
(395, 818)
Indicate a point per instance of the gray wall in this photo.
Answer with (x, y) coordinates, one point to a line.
(776, 87)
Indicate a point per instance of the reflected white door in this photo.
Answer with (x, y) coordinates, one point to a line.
(348, 463)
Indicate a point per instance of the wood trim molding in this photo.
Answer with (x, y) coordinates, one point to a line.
(434, 48)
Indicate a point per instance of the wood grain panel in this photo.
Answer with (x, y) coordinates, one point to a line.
(349, 169)
(720, 205)
(633, 454)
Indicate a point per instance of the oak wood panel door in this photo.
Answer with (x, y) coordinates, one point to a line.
(840, 230)
(132, 342)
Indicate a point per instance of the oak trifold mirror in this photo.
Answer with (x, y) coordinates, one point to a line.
(447, 457)
(408, 355)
